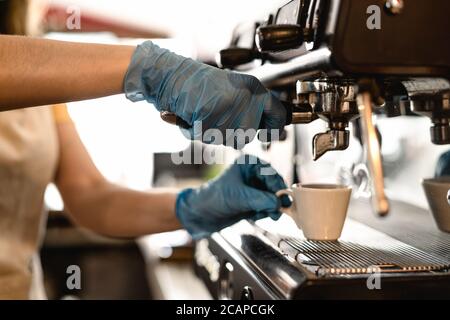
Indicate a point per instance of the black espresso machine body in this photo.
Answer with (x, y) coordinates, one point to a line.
(351, 39)
(343, 62)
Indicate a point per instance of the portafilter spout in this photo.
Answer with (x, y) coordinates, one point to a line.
(334, 103)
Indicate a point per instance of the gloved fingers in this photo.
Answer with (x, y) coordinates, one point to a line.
(236, 139)
(245, 126)
(194, 132)
(240, 118)
(274, 183)
(259, 201)
(269, 178)
(273, 119)
(251, 215)
(242, 81)
(261, 175)
(222, 119)
(274, 215)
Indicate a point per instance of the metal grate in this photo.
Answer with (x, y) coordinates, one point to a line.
(367, 252)
(407, 223)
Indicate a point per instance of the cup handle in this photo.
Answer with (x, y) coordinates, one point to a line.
(287, 192)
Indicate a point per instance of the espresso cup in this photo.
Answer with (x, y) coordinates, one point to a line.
(436, 191)
(318, 209)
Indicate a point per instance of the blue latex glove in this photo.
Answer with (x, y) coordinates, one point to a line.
(443, 165)
(243, 191)
(196, 93)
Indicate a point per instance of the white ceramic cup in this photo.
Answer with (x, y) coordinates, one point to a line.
(318, 209)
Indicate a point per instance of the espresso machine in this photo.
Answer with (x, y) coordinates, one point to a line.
(345, 63)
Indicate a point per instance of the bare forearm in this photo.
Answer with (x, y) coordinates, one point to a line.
(102, 206)
(40, 72)
(119, 212)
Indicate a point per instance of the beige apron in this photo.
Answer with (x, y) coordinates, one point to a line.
(28, 160)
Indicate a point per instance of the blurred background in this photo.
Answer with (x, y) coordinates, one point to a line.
(131, 146)
(204, 24)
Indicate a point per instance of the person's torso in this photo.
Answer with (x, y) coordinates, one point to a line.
(28, 161)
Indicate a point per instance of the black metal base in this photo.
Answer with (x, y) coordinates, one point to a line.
(243, 262)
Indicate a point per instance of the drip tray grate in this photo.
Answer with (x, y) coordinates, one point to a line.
(362, 250)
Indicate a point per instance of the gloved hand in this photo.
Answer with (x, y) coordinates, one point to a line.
(202, 95)
(246, 190)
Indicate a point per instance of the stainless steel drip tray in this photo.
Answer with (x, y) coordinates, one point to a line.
(361, 250)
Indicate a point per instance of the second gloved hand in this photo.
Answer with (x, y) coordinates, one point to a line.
(203, 96)
(246, 190)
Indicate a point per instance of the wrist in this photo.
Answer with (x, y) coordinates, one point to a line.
(182, 208)
(140, 79)
(187, 201)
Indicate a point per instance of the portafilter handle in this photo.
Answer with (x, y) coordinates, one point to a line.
(172, 118)
(373, 153)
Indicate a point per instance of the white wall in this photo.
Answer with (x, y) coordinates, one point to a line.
(207, 22)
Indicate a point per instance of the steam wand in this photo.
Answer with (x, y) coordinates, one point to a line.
(372, 151)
